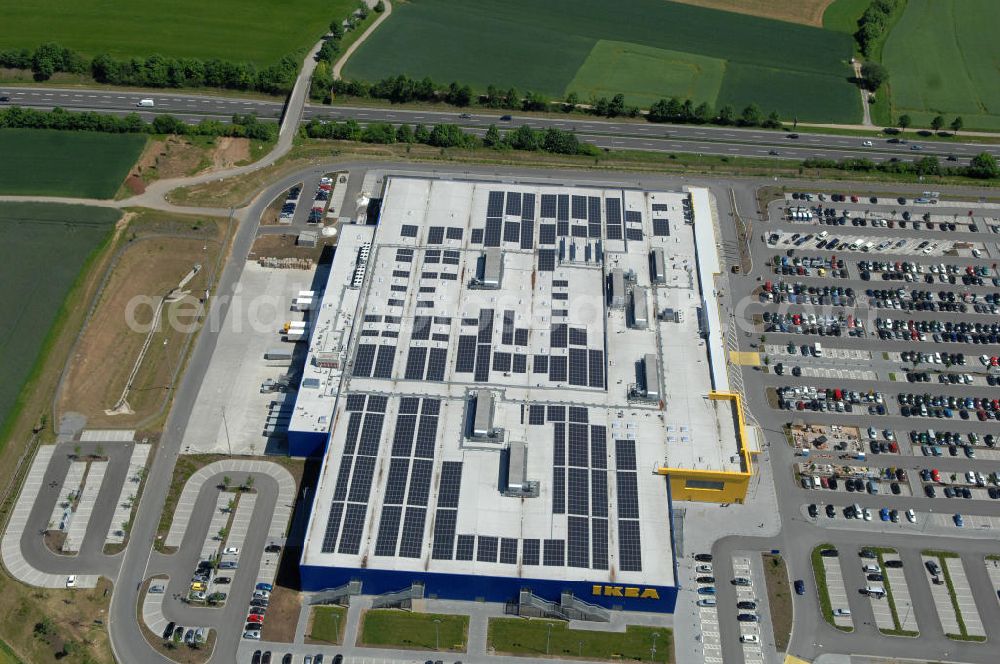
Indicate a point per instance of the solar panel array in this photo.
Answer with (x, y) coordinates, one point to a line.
(661, 227)
(613, 219)
(354, 479)
(629, 542)
(408, 484)
(435, 235)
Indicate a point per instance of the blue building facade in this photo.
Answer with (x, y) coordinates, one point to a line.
(652, 598)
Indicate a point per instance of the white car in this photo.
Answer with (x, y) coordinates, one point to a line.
(868, 514)
(252, 634)
(704, 569)
(71, 581)
(232, 550)
(749, 638)
(867, 144)
(841, 612)
(708, 601)
(911, 516)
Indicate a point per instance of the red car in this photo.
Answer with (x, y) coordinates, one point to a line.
(935, 475)
(253, 618)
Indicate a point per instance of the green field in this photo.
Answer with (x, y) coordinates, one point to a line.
(843, 15)
(259, 31)
(943, 57)
(635, 70)
(646, 49)
(80, 164)
(559, 45)
(44, 249)
(531, 637)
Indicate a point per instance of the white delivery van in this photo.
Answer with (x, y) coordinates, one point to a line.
(818, 350)
(145, 103)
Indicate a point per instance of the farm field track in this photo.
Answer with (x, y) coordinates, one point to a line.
(258, 31)
(943, 57)
(806, 12)
(45, 248)
(161, 250)
(563, 46)
(79, 164)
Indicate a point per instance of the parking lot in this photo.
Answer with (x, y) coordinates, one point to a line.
(877, 327)
(837, 591)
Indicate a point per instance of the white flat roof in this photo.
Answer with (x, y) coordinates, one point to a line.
(561, 363)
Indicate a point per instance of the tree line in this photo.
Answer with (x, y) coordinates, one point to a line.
(156, 71)
(402, 89)
(242, 126)
(873, 26)
(551, 140)
(982, 167)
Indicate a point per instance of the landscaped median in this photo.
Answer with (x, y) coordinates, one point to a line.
(537, 637)
(392, 628)
(779, 598)
(819, 570)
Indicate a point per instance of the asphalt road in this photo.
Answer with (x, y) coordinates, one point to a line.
(632, 135)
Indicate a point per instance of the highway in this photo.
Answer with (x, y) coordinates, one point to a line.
(631, 135)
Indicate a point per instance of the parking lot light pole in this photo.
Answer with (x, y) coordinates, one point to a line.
(437, 634)
(336, 625)
(652, 650)
(548, 637)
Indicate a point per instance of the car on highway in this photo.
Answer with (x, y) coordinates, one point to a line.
(506, 118)
(867, 144)
(465, 116)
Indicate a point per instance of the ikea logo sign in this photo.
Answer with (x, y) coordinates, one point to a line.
(625, 591)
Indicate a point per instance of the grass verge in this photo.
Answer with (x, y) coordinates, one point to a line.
(327, 624)
(779, 597)
(963, 634)
(819, 570)
(539, 638)
(414, 631)
(186, 466)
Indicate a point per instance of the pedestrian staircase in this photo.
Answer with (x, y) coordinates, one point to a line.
(336, 595)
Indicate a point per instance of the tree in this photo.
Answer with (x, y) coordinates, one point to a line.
(572, 99)
(983, 166)
(703, 113)
(421, 134)
(957, 124)
(362, 11)
(379, 7)
(337, 28)
(752, 116)
(404, 134)
(617, 106)
(874, 75)
(937, 122)
(226, 481)
(492, 137)
(773, 121)
(904, 121)
(727, 115)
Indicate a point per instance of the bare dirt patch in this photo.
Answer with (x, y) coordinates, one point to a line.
(282, 615)
(806, 12)
(179, 156)
(159, 251)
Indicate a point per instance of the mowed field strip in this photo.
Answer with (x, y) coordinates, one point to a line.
(43, 251)
(79, 164)
(258, 31)
(650, 48)
(943, 57)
